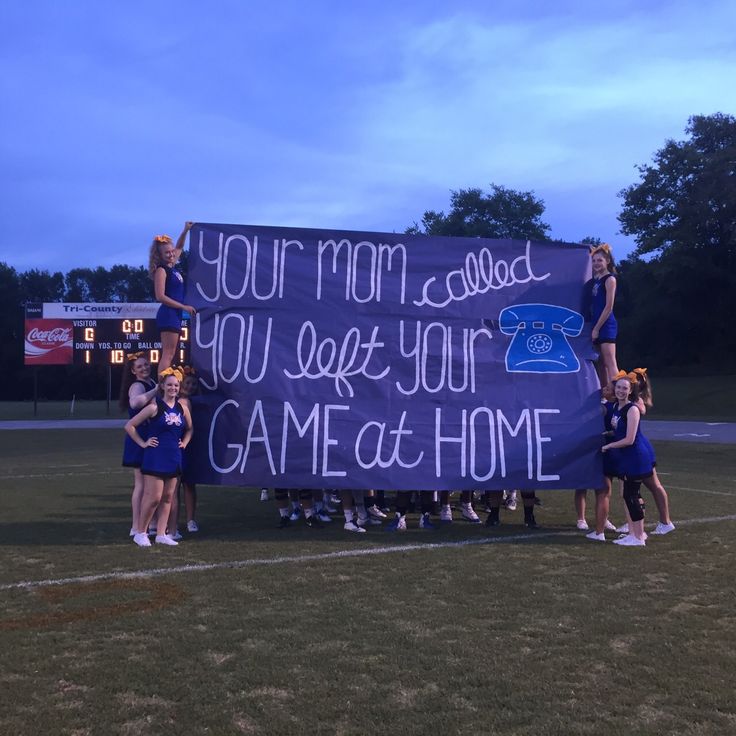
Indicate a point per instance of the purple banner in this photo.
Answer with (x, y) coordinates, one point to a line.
(338, 359)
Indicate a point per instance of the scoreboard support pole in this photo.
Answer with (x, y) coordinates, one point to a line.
(35, 390)
(109, 387)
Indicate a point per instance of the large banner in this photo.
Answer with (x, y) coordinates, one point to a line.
(337, 359)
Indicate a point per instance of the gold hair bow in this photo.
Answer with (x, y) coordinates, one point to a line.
(162, 239)
(602, 248)
(620, 374)
(134, 356)
(170, 372)
(640, 372)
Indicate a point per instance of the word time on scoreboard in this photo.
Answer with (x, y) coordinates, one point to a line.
(63, 333)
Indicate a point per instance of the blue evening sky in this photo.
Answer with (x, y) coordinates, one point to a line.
(122, 120)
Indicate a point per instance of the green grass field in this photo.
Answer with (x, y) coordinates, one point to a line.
(247, 629)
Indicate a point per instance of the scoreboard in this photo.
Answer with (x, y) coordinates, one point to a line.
(63, 333)
(103, 341)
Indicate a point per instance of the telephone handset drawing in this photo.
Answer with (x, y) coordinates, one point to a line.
(539, 343)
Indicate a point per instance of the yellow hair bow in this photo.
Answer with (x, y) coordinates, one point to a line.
(602, 248)
(170, 372)
(162, 239)
(620, 374)
(640, 372)
(134, 356)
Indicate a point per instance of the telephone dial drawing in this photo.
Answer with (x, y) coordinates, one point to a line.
(539, 338)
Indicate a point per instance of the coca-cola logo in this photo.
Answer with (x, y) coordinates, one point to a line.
(56, 335)
(49, 342)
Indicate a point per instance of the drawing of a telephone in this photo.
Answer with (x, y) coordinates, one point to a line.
(540, 333)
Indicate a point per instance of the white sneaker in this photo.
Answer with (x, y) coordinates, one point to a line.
(322, 515)
(133, 532)
(630, 541)
(375, 512)
(296, 513)
(623, 529)
(469, 514)
(645, 537)
(142, 540)
(610, 527)
(663, 528)
(166, 540)
(177, 536)
(192, 527)
(582, 525)
(397, 525)
(446, 514)
(595, 536)
(264, 494)
(351, 526)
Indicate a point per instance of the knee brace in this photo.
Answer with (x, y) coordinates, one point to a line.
(633, 500)
(281, 494)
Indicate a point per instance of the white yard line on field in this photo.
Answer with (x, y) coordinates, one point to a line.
(237, 564)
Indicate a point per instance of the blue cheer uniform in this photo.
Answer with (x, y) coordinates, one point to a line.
(133, 452)
(635, 462)
(168, 319)
(609, 469)
(168, 426)
(596, 303)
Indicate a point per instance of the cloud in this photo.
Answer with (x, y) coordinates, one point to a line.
(125, 120)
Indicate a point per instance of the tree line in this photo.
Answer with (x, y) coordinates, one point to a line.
(676, 291)
(120, 283)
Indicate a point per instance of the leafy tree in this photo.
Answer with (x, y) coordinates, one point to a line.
(41, 286)
(78, 285)
(502, 213)
(682, 214)
(128, 284)
(11, 331)
(686, 199)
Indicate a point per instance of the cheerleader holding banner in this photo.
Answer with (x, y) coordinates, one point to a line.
(168, 286)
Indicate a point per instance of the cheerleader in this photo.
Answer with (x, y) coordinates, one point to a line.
(631, 457)
(169, 432)
(603, 494)
(136, 390)
(600, 296)
(168, 285)
(189, 387)
(653, 484)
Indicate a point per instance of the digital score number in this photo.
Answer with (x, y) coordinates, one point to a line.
(108, 341)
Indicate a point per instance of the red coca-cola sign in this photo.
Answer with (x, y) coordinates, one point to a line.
(49, 342)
